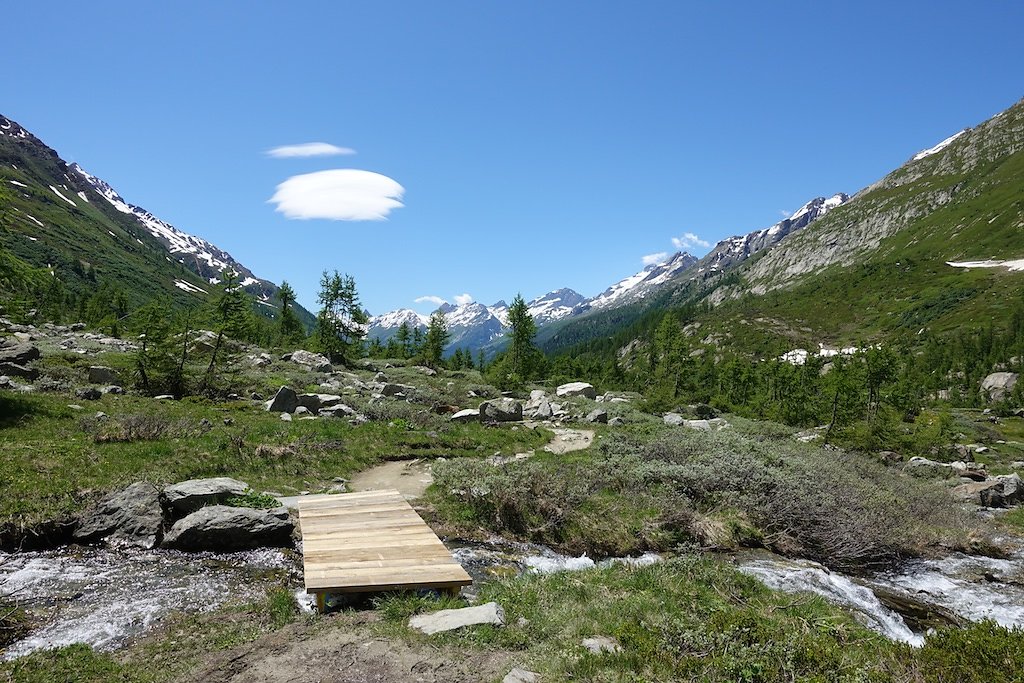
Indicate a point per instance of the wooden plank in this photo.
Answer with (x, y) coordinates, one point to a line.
(372, 540)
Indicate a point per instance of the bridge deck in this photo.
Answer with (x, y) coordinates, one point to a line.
(371, 541)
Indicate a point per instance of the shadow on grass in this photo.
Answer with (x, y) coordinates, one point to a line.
(16, 407)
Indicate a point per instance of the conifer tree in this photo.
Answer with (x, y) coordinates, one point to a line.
(341, 322)
(289, 330)
(231, 318)
(437, 337)
(521, 352)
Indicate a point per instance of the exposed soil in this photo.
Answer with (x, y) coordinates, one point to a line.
(345, 650)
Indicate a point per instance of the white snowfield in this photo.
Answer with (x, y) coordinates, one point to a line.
(1014, 265)
(57, 192)
(939, 147)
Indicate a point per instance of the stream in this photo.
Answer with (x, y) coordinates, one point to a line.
(105, 597)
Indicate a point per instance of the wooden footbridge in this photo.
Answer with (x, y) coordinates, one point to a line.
(371, 541)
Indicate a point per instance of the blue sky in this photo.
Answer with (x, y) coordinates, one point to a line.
(512, 146)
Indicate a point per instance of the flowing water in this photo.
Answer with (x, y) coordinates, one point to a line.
(965, 587)
(106, 596)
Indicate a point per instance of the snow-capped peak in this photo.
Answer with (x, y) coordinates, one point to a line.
(637, 286)
(394, 319)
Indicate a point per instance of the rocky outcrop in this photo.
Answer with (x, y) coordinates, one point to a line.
(223, 528)
(15, 370)
(314, 361)
(452, 619)
(997, 385)
(392, 389)
(501, 410)
(468, 415)
(598, 416)
(923, 467)
(19, 354)
(1003, 491)
(132, 516)
(577, 389)
(188, 496)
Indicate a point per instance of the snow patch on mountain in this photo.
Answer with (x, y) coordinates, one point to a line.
(57, 192)
(189, 287)
(1015, 265)
(939, 147)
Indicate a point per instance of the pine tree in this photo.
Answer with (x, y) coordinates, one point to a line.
(341, 322)
(231, 318)
(402, 337)
(437, 337)
(522, 353)
(289, 329)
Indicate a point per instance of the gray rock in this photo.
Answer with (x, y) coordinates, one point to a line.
(988, 493)
(598, 415)
(301, 410)
(392, 389)
(543, 411)
(451, 619)
(468, 415)
(998, 385)
(15, 370)
(616, 422)
(164, 397)
(312, 360)
(337, 410)
(929, 468)
(189, 496)
(112, 389)
(714, 424)
(284, 401)
(429, 372)
(1013, 488)
(501, 410)
(577, 389)
(99, 374)
(89, 393)
(223, 528)
(518, 675)
(673, 419)
(132, 516)
(599, 644)
(286, 417)
(19, 354)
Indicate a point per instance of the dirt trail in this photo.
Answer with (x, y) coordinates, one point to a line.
(409, 477)
(345, 652)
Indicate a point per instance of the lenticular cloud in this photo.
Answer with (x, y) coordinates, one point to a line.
(343, 194)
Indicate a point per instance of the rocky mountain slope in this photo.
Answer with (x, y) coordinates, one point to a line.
(59, 217)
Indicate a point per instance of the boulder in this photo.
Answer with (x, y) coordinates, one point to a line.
(314, 361)
(997, 385)
(714, 424)
(337, 410)
(468, 415)
(15, 370)
(189, 496)
(598, 416)
(19, 354)
(99, 374)
(599, 644)
(89, 393)
(501, 410)
(543, 411)
(577, 389)
(988, 493)
(673, 419)
(451, 619)
(429, 372)
(112, 389)
(284, 401)
(518, 675)
(928, 468)
(616, 422)
(1013, 488)
(223, 528)
(132, 516)
(392, 389)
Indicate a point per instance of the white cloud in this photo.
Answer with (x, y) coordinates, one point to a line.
(651, 259)
(308, 149)
(430, 299)
(463, 299)
(341, 194)
(689, 241)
